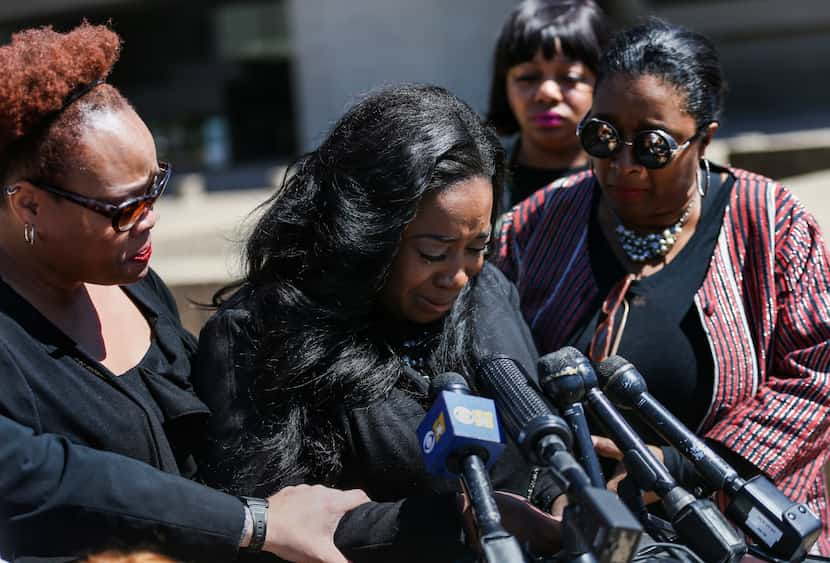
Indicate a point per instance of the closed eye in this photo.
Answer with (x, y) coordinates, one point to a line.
(480, 249)
(575, 79)
(432, 257)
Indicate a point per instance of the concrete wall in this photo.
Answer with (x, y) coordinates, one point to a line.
(343, 49)
(774, 53)
(775, 57)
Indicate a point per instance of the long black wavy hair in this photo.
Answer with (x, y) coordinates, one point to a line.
(319, 257)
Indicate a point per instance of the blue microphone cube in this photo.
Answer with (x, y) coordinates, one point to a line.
(456, 425)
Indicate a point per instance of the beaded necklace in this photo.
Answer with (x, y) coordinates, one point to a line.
(643, 248)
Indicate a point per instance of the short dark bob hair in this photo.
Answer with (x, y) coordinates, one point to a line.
(580, 26)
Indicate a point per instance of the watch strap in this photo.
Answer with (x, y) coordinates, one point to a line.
(259, 516)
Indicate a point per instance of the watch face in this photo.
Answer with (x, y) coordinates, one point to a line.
(258, 509)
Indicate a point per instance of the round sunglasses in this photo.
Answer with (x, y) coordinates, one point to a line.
(653, 148)
(126, 214)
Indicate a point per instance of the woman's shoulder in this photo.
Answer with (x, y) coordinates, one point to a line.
(747, 181)
(568, 191)
(755, 191)
(234, 315)
(492, 280)
(566, 201)
(224, 366)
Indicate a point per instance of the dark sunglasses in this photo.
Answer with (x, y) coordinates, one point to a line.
(652, 148)
(126, 214)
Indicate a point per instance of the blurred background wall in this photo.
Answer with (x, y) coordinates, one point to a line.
(233, 90)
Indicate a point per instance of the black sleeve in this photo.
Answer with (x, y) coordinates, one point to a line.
(500, 326)
(53, 494)
(682, 470)
(418, 528)
(501, 329)
(688, 476)
(223, 372)
(411, 530)
(16, 398)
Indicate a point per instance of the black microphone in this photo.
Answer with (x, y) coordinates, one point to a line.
(566, 387)
(785, 528)
(595, 522)
(458, 436)
(697, 522)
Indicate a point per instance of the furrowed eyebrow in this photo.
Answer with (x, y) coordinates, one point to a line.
(445, 239)
(439, 238)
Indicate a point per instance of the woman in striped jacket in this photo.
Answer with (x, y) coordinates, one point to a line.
(713, 281)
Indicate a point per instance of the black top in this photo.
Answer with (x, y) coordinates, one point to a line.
(663, 335)
(59, 498)
(523, 180)
(413, 516)
(52, 385)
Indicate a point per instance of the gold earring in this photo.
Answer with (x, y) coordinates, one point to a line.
(29, 233)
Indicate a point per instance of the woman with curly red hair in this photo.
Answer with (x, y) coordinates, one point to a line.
(91, 346)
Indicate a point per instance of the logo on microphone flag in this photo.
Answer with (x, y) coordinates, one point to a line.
(457, 423)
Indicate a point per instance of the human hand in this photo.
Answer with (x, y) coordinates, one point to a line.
(607, 448)
(530, 526)
(557, 509)
(302, 520)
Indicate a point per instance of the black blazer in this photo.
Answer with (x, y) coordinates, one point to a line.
(50, 385)
(413, 516)
(57, 497)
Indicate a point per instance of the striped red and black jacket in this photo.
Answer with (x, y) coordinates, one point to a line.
(764, 306)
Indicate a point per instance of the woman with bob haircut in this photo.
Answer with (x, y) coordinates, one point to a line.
(713, 281)
(544, 69)
(366, 278)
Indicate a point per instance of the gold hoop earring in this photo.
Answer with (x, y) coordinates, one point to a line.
(29, 233)
(700, 189)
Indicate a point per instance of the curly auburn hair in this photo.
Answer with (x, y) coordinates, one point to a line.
(42, 71)
(133, 557)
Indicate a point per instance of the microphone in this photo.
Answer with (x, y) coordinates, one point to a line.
(566, 387)
(697, 522)
(787, 529)
(460, 436)
(595, 520)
